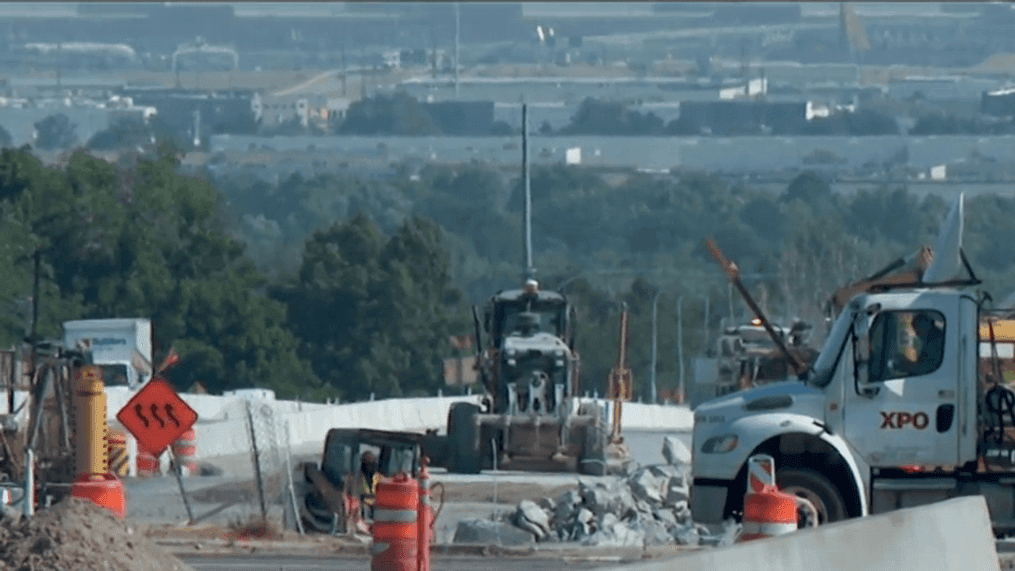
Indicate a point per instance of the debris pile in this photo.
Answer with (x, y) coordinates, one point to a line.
(648, 506)
(76, 534)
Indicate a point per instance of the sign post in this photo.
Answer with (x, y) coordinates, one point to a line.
(157, 416)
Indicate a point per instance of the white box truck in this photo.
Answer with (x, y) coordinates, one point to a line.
(122, 348)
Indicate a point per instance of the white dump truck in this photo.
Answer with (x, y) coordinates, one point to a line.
(122, 348)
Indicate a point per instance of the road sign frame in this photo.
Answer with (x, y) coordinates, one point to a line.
(166, 401)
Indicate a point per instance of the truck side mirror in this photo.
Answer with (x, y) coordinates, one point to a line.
(862, 353)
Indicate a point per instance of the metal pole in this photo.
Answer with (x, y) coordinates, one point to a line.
(655, 341)
(257, 463)
(29, 495)
(680, 345)
(178, 472)
(527, 244)
(729, 297)
(705, 323)
(458, 25)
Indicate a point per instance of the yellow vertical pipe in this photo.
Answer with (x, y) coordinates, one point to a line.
(91, 426)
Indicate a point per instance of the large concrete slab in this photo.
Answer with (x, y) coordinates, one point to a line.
(954, 534)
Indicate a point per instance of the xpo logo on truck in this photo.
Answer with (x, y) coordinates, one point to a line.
(898, 420)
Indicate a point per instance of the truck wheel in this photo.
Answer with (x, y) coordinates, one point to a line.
(463, 439)
(815, 488)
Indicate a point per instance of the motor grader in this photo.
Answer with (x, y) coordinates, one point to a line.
(530, 416)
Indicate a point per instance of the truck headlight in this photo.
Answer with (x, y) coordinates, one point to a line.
(720, 444)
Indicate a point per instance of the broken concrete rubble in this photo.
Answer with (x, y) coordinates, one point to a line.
(647, 507)
(532, 518)
(675, 453)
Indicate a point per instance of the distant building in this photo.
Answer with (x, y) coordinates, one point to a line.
(461, 118)
(722, 118)
(229, 111)
(998, 103)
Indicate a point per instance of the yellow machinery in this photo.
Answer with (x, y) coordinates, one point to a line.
(94, 481)
(621, 380)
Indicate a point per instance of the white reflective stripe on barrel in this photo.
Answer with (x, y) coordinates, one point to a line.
(379, 548)
(760, 472)
(769, 529)
(397, 516)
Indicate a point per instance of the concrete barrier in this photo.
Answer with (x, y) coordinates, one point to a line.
(953, 534)
(221, 428)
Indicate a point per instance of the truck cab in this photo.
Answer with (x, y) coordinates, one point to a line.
(889, 415)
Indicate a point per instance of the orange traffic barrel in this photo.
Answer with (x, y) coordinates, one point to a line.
(767, 511)
(147, 464)
(117, 446)
(104, 490)
(394, 529)
(184, 450)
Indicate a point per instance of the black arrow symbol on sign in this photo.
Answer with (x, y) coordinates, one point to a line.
(155, 415)
(139, 411)
(171, 415)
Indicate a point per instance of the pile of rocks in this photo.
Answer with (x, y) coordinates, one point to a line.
(647, 506)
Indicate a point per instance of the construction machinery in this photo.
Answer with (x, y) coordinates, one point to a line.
(335, 494)
(38, 421)
(760, 352)
(746, 355)
(530, 416)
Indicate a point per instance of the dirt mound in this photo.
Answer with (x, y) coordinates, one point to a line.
(77, 535)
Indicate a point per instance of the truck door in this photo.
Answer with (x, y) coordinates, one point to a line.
(905, 414)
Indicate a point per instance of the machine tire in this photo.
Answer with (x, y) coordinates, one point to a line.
(463, 439)
(818, 489)
(313, 512)
(592, 461)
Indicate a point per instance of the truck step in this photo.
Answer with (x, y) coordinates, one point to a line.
(904, 484)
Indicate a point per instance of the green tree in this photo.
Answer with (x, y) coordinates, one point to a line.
(398, 114)
(148, 242)
(371, 313)
(55, 132)
(596, 117)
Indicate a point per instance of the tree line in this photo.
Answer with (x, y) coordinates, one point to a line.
(339, 286)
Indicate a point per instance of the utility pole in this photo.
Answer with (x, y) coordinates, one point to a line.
(680, 346)
(705, 325)
(528, 270)
(345, 68)
(458, 26)
(655, 341)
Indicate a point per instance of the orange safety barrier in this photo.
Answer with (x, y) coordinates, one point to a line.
(767, 511)
(117, 447)
(184, 450)
(104, 490)
(147, 464)
(395, 521)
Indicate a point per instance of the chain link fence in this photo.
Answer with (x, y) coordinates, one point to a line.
(270, 439)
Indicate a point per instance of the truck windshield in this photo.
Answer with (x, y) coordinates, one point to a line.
(550, 317)
(824, 365)
(114, 375)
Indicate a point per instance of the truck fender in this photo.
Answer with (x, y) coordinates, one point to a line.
(757, 431)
